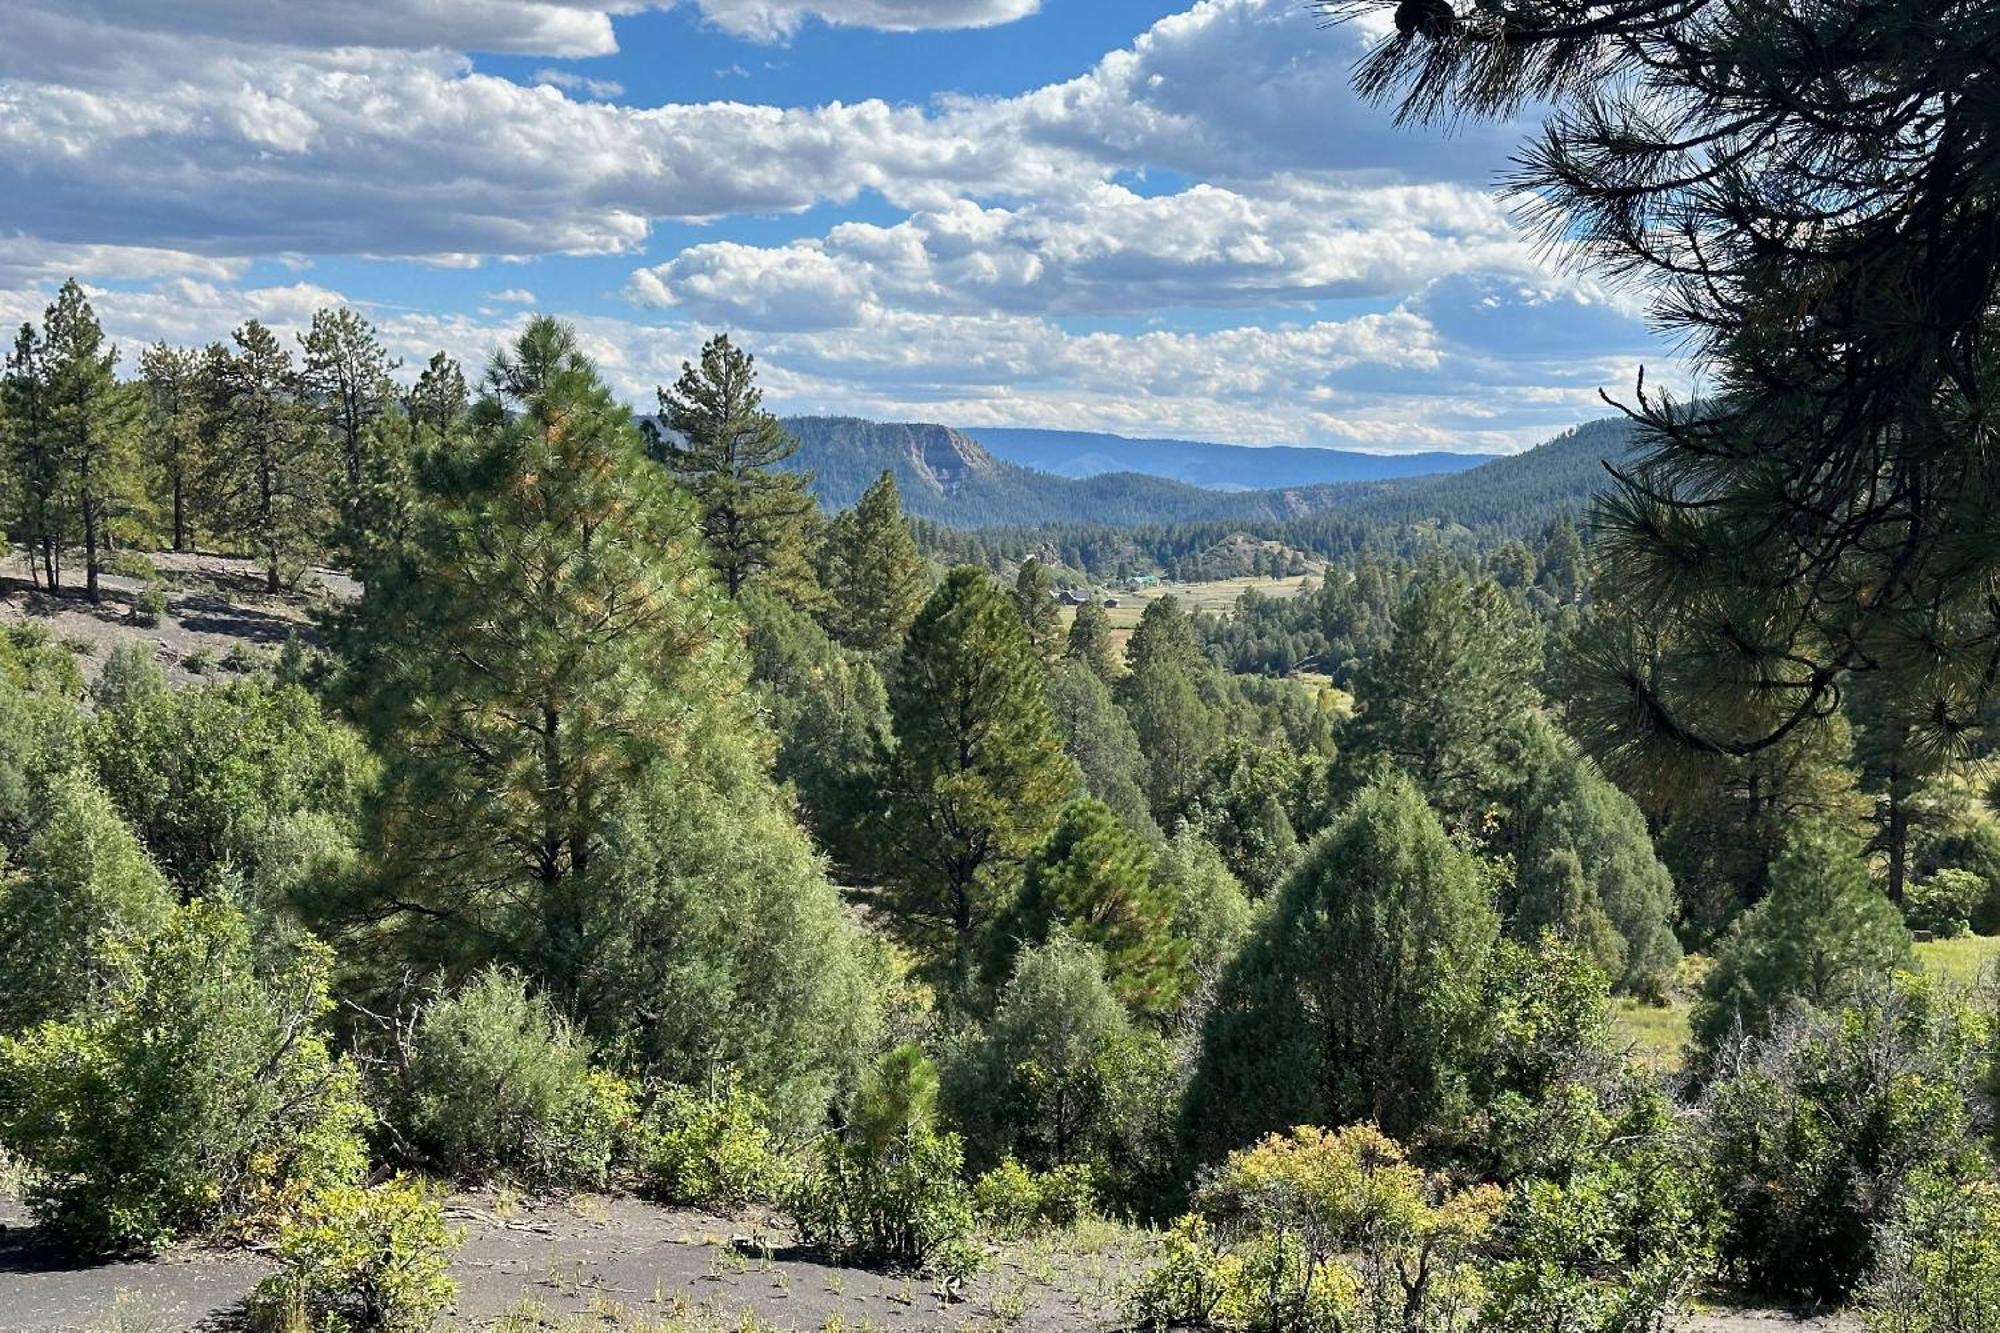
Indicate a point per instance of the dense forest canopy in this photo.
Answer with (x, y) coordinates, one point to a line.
(629, 817)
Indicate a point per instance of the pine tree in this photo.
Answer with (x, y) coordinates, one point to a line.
(1100, 738)
(549, 634)
(1165, 636)
(1455, 681)
(90, 423)
(345, 373)
(175, 409)
(722, 445)
(978, 772)
(873, 573)
(1090, 641)
(268, 461)
(1035, 602)
(36, 513)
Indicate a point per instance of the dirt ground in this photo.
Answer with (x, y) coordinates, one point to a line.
(589, 1262)
(618, 1265)
(215, 604)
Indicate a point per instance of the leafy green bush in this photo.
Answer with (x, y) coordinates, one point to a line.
(499, 1085)
(708, 1149)
(1011, 1200)
(1317, 1232)
(888, 1191)
(1939, 1271)
(1945, 902)
(150, 605)
(128, 564)
(1820, 1130)
(242, 659)
(360, 1259)
(199, 1092)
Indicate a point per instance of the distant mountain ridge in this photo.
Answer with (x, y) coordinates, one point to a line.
(1234, 467)
(948, 477)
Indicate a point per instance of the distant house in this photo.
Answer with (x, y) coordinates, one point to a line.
(1071, 597)
(1110, 603)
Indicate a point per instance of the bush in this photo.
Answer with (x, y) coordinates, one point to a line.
(360, 1259)
(199, 662)
(499, 1085)
(150, 605)
(1939, 1271)
(1819, 1131)
(707, 1149)
(1945, 902)
(1313, 1231)
(242, 659)
(199, 1092)
(887, 1191)
(1014, 1201)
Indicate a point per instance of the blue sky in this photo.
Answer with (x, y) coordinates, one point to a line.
(1133, 215)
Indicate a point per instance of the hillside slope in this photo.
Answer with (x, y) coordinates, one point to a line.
(1229, 467)
(949, 478)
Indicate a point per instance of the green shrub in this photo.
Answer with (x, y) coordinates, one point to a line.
(1011, 1200)
(1820, 1130)
(128, 564)
(242, 659)
(1939, 1271)
(500, 1086)
(199, 662)
(1945, 902)
(150, 605)
(1317, 1232)
(198, 1093)
(888, 1191)
(707, 1149)
(360, 1259)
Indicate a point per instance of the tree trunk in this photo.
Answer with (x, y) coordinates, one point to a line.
(90, 589)
(1898, 842)
(180, 515)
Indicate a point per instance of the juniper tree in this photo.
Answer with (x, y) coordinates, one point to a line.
(722, 445)
(1805, 193)
(1090, 640)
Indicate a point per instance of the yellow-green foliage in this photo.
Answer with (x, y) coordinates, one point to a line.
(710, 1148)
(1011, 1200)
(361, 1259)
(1940, 1267)
(1323, 1231)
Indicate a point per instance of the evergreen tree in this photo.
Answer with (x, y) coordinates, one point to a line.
(1097, 734)
(1165, 636)
(438, 400)
(1090, 641)
(1177, 729)
(90, 423)
(1092, 880)
(1823, 934)
(269, 462)
(175, 407)
(977, 774)
(722, 445)
(873, 573)
(1441, 701)
(547, 635)
(36, 515)
(1035, 601)
(345, 373)
(1359, 997)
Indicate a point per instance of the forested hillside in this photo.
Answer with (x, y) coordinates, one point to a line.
(947, 477)
(1230, 467)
